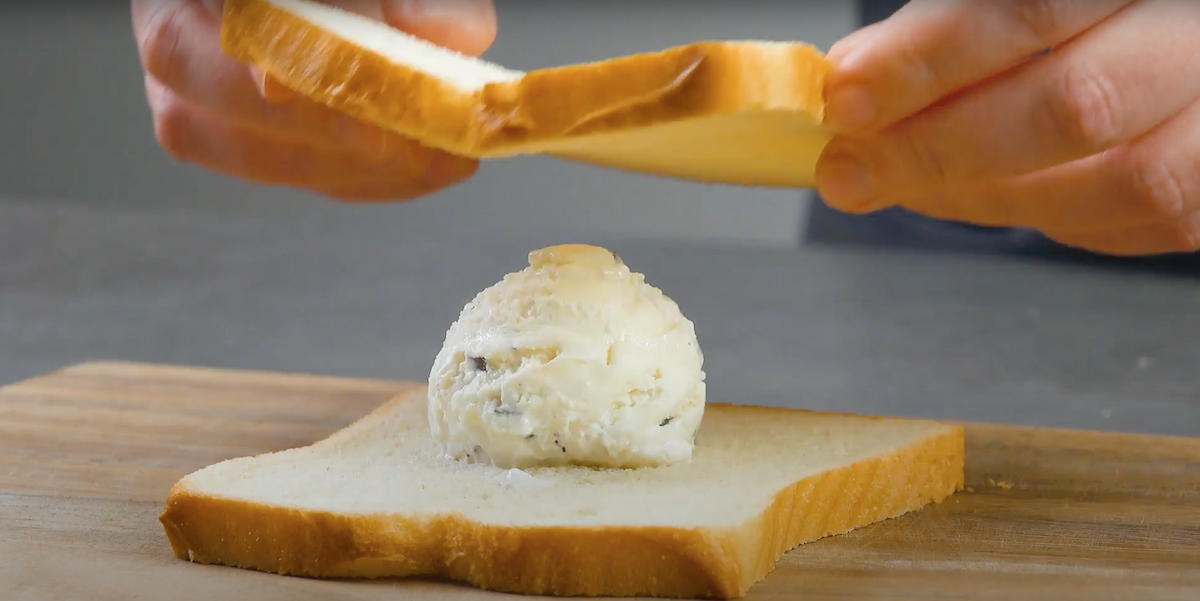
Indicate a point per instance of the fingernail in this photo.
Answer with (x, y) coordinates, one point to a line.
(847, 45)
(840, 49)
(443, 9)
(373, 10)
(467, 26)
(269, 87)
(850, 109)
(273, 91)
(449, 168)
(845, 181)
(433, 166)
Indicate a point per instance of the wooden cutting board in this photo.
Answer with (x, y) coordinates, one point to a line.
(87, 455)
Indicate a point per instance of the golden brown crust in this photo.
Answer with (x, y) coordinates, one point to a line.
(854, 496)
(362, 84)
(609, 561)
(543, 107)
(697, 80)
(554, 561)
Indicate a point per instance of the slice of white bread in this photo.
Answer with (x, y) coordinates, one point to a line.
(376, 500)
(746, 113)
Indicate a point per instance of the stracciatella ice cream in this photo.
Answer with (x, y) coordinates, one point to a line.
(574, 360)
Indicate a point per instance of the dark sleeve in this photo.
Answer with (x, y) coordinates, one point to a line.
(899, 228)
(874, 11)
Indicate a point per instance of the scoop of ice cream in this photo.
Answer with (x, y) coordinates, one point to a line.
(574, 360)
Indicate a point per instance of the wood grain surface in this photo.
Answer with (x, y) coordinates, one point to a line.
(88, 453)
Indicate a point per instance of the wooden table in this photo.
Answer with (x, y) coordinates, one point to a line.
(88, 453)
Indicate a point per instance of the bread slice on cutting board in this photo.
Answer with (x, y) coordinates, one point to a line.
(375, 499)
(746, 113)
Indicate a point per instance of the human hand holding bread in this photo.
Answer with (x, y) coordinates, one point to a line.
(948, 109)
(217, 112)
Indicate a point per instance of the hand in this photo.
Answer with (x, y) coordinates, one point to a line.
(950, 109)
(212, 110)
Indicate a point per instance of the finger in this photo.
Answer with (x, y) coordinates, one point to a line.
(192, 135)
(269, 87)
(215, 7)
(1180, 236)
(845, 46)
(1151, 181)
(466, 26)
(1089, 95)
(393, 190)
(178, 42)
(931, 48)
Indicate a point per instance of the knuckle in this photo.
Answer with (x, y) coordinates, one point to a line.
(1041, 20)
(1084, 108)
(1157, 189)
(173, 128)
(919, 155)
(159, 41)
(919, 72)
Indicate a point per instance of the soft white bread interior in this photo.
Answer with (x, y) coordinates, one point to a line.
(746, 113)
(376, 499)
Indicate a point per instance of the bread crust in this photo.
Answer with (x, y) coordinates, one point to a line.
(565, 561)
(543, 109)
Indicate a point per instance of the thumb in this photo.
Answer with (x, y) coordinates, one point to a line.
(466, 26)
